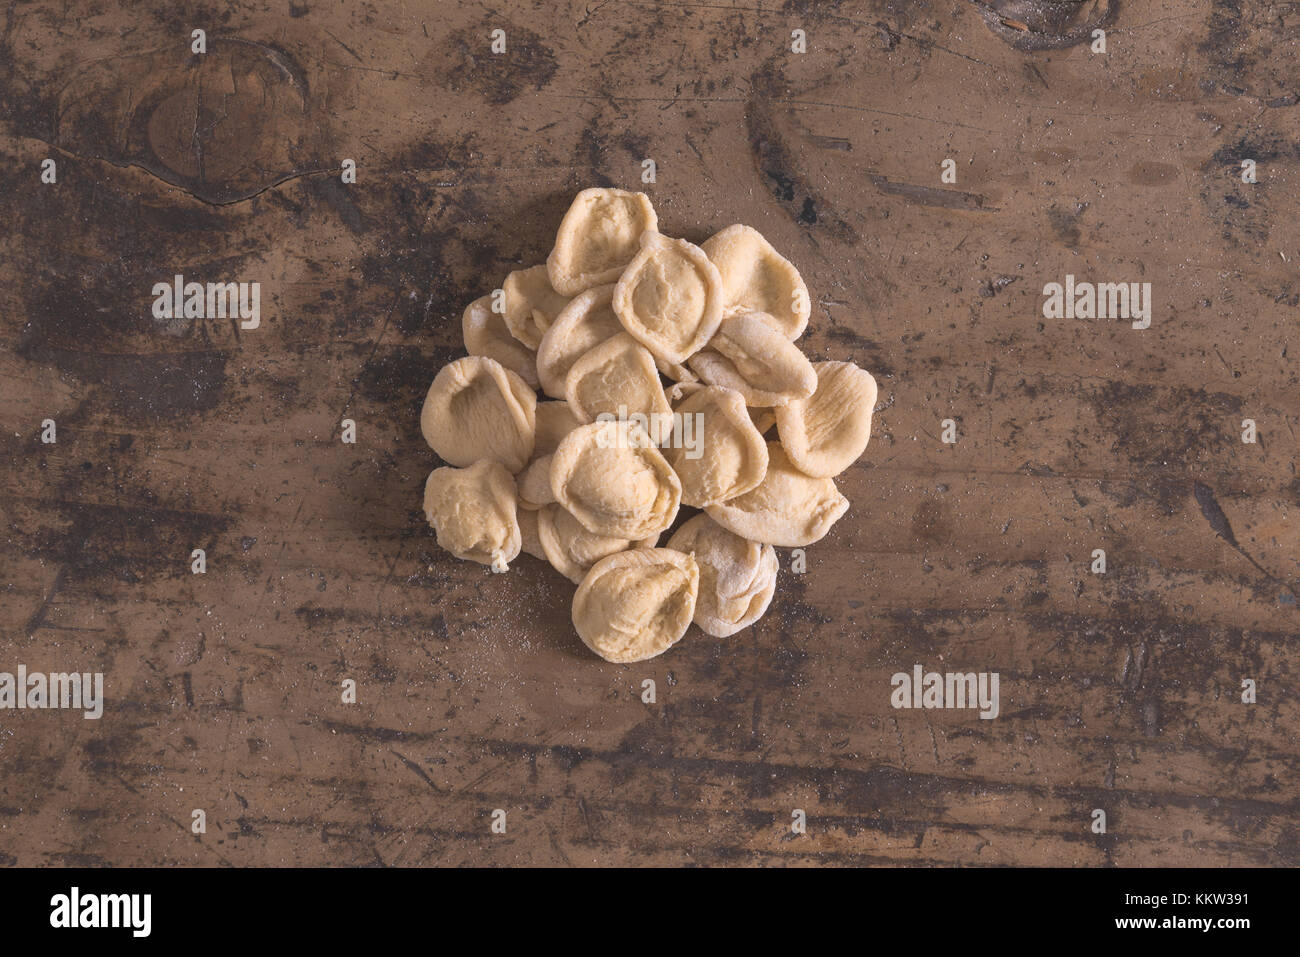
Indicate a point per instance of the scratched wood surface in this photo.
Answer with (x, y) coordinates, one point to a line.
(1118, 691)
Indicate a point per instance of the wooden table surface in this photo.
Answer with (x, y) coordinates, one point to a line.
(1119, 691)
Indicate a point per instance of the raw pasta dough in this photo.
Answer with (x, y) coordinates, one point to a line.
(636, 604)
(667, 365)
(737, 576)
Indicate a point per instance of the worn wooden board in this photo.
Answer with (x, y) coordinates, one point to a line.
(1118, 691)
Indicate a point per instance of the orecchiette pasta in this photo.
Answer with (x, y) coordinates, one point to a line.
(529, 542)
(569, 547)
(618, 378)
(676, 371)
(667, 366)
(555, 420)
(473, 512)
(478, 409)
(586, 322)
(756, 278)
(787, 509)
(669, 298)
(598, 237)
(730, 456)
(680, 390)
(737, 577)
(531, 305)
(534, 484)
(827, 432)
(614, 481)
(636, 604)
(486, 334)
(749, 354)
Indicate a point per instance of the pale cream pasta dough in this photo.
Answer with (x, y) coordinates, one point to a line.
(473, 512)
(555, 420)
(787, 508)
(569, 547)
(586, 322)
(828, 431)
(764, 418)
(636, 604)
(529, 542)
(479, 409)
(671, 383)
(756, 278)
(615, 482)
(531, 305)
(752, 356)
(737, 576)
(534, 483)
(486, 334)
(670, 298)
(618, 379)
(598, 237)
(732, 456)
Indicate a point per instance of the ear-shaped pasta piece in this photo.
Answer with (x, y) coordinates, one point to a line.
(586, 322)
(531, 305)
(618, 379)
(788, 509)
(614, 481)
(473, 511)
(826, 433)
(478, 409)
(716, 451)
(598, 237)
(737, 577)
(756, 278)
(669, 298)
(749, 354)
(569, 547)
(636, 604)
(555, 420)
(529, 542)
(534, 484)
(486, 334)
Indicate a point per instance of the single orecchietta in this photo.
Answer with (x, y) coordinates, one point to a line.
(664, 368)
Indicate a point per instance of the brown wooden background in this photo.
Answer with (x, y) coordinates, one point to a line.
(1119, 691)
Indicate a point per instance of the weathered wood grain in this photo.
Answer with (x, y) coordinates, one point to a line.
(1119, 692)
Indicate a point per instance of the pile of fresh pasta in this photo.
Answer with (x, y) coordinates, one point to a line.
(665, 368)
